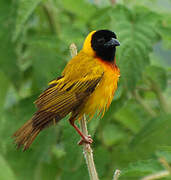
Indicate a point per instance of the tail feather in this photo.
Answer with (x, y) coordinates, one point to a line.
(26, 135)
(29, 131)
(31, 139)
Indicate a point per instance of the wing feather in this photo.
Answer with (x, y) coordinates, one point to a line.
(63, 103)
(64, 95)
(68, 92)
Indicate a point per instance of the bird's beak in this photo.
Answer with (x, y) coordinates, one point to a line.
(112, 42)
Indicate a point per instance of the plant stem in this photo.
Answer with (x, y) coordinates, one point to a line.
(145, 106)
(157, 175)
(156, 89)
(160, 174)
(116, 174)
(165, 164)
(49, 12)
(87, 151)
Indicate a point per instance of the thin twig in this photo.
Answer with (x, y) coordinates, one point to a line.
(160, 174)
(116, 174)
(157, 175)
(165, 164)
(156, 89)
(88, 153)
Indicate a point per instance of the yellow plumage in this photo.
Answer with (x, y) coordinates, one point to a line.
(84, 67)
(86, 86)
(75, 75)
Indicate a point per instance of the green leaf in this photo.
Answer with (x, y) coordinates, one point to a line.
(14, 118)
(25, 9)
(153, 136)
(136, 32)
(77, 8)
(92, 126)
(142, 168)
(112, 134)
(131, 116)
(5, 170)
(158, 75)
(8, 60)
(99, 21)
(165, 29)
(164, 152)
(102, 162)
(3, 91)
(70, 137)
(49, 58)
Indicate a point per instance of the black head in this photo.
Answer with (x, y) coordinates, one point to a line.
(104, 43)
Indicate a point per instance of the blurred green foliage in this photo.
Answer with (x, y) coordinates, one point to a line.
(34, 48)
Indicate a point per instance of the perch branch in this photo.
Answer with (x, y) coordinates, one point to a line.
(88, 153)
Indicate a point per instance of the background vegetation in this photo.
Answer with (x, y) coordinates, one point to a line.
(134, 135)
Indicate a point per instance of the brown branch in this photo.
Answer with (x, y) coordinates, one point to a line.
(88, 152)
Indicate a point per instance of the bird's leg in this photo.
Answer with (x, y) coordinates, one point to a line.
(85, 139)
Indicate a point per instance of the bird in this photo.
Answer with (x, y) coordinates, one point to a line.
(85, 87)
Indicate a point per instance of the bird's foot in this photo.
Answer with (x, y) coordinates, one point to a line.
(86, 139)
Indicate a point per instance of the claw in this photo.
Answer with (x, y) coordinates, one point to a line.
(86, 139)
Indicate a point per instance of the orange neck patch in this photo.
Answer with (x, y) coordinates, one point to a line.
(108, 65)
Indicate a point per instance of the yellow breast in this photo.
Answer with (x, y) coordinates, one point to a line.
(101, 98)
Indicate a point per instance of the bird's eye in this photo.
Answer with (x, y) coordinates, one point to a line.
(101, 40)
